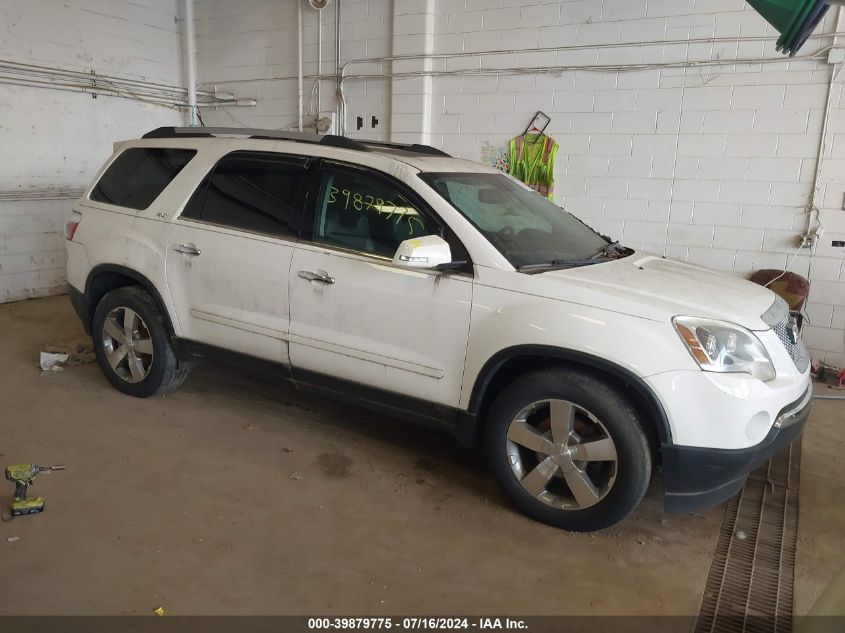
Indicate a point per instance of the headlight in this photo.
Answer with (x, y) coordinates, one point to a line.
(724, 347)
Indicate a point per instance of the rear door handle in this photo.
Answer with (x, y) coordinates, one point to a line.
(186, 249)
(321, 276)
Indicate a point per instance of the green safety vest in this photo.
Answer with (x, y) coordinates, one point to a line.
(531, 159)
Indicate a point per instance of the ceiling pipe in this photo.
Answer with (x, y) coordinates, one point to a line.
(338, 87)
(88, 76)
(834, 73)
(319, 59)
(190, 62)
(299, 59)
(341, 72)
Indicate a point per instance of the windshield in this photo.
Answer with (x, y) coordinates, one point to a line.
(528, 229)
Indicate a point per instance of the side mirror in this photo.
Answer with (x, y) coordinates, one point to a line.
(426, 252)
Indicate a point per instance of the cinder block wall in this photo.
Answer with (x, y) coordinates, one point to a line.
(53, 142)
(712, 165)
(242, 44)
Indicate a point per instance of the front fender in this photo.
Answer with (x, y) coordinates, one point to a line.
(630, 348)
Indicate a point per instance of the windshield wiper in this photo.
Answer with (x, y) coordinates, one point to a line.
(611, 249)
(559, 264)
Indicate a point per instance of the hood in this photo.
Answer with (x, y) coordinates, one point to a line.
(656, 288)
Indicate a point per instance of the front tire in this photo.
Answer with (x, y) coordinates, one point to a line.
(568, 449)
(132, 344)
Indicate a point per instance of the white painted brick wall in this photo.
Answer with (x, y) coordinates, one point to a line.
(58, 140)
(267, 28)
(32, 250)
(726, 155)
(708, 165)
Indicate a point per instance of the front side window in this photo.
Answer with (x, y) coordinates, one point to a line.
(528, 229)
(137, 177)
(363, 212)
(251, 191)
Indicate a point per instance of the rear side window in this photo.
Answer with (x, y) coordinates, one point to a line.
(251, 191)
(137, 177)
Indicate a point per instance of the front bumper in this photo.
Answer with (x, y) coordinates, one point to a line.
(696, 478)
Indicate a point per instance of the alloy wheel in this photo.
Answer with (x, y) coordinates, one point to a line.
(562, 454)
(128, 344)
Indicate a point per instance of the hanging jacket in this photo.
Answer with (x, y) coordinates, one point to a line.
(532, 160)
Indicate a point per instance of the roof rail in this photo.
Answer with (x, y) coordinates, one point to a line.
(416, 148)
(331, 140)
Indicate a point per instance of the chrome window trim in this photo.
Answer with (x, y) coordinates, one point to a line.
(284, 238)
(348, 251)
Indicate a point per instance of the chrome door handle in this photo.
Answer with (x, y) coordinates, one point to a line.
(321, 276)
(186, 249)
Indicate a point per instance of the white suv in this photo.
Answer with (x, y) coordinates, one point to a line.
(443, 291)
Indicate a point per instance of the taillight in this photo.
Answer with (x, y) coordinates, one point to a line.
(70, 229)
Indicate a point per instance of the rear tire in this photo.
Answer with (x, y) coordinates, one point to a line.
(568, 449)
(132, 344)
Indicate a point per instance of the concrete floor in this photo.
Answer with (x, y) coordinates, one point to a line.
(234, 496)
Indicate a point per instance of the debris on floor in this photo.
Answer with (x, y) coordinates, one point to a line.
(52, 362)
(13, 539)
(159, 611)
(57, 354)
(297, 476)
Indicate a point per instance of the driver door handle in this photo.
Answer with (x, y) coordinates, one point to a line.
(320, 275)
(186, 249)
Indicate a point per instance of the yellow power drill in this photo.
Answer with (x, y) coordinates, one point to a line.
(22, 475)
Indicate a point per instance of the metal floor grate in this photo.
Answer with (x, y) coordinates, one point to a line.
(749, 588)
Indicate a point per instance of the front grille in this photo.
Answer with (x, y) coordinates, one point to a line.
(797, 351)
(781, 330)
(778, 317)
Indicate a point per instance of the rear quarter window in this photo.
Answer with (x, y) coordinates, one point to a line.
(251, 191)
(137, 177)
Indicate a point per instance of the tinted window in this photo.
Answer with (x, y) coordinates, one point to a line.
(139, 175)
(362, 212)
(251, 191)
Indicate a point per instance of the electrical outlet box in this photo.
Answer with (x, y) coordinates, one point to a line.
(327, 123)
(324, 123)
